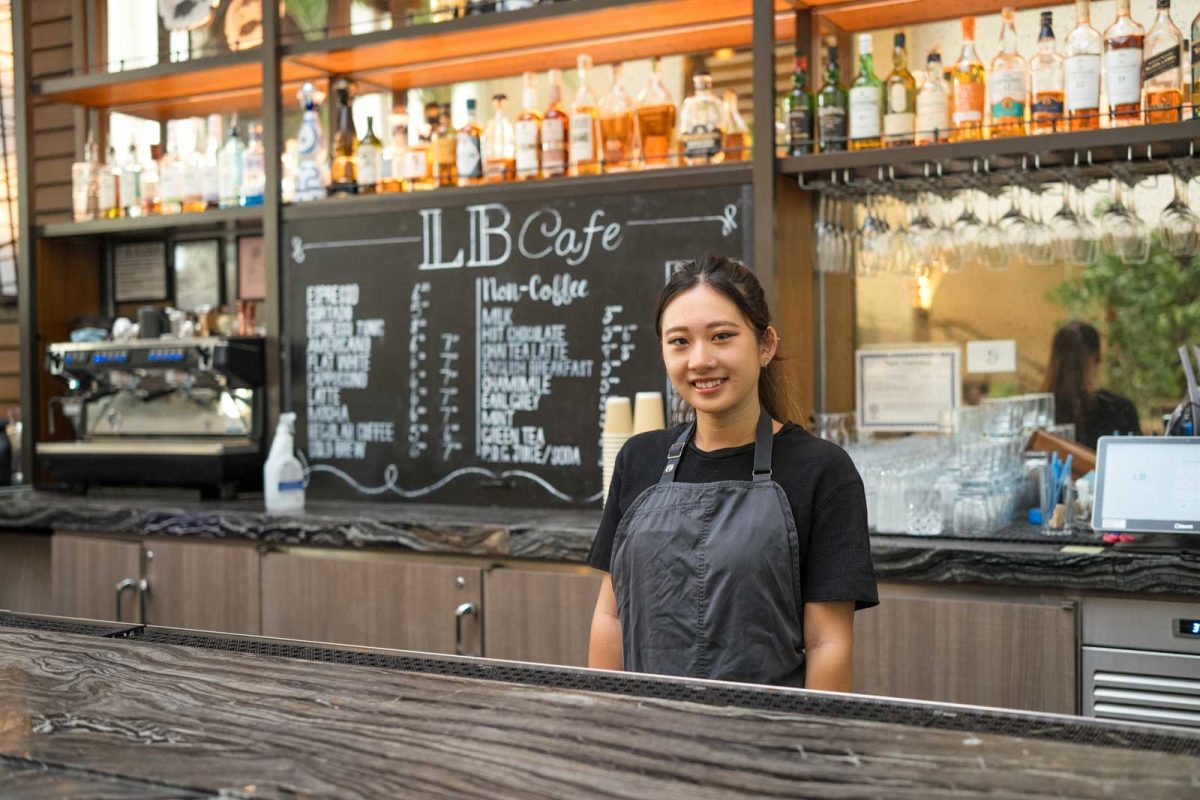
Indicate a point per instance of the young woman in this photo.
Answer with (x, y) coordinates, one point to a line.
(736, 545)
(1071, 378)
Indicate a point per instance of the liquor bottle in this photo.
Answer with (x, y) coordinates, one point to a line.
(344, 175)
(151, 199)
(84, 187)
(737, 141)
(933, 103)
(1008, 84)
(310, 150)
(1196, 67)
(170, 172)
(370, 160)
(528, 132)
(968, 81)
(254, 170)
(108, 187)
(555, 123)
(499, 144)
(866, 99)
(468, 154)
(584, 126)
(701, 123)
(209, 182)
(230, 170)
(900, 99)
(1163, 75)
(394, 154)
(617, 126)
(1082, 82)
(131, 184)
(420, 160)
(656, 114)
(191, 146)
(1123, 67)
(832, 104)
(799, 108)
(445, 170)
(1046, 74)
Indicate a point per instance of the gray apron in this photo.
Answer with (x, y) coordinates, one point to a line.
(707, 576)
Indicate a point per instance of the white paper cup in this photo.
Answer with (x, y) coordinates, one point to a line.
(648, 414)
(618, 416)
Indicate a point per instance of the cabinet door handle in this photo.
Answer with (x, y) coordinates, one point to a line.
(143, 588)
(127, 583)
(463, 610)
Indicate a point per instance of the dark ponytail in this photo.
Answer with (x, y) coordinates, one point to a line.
(737, 282)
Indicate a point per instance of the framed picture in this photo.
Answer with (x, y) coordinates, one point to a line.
(252, 268)
(197, 274)
(140, 271)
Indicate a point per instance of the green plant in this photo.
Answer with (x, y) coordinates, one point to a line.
(309, 16)
(1145, 311)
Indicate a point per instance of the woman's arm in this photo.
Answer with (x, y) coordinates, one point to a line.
(829, 642)
(604, 646)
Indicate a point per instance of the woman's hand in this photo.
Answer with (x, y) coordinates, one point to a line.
(604, 646)
(829, 643)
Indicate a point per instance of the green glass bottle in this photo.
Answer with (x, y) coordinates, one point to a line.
(800, 108)
(833, 102)
(866, 99)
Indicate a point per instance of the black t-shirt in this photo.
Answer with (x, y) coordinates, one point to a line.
(820, 481)
(1109, 414)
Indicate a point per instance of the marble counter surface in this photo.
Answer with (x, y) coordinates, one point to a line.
(1020, 560)
(88, 716)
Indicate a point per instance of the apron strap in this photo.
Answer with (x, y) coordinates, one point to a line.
(676, 453)
(764, 442)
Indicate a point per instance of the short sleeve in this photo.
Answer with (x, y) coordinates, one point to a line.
(600, 556)
(837, 564)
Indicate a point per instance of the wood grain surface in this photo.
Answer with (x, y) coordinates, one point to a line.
(227, 721)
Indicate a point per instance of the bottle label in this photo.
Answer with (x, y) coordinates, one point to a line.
(701, 142)
(897, 99)
(1083, 82)
(210, 183)
(899, 126)
(554, 146)
(107, 192)
(193, 183)
(528, 147)
(1123, 73)
(172, 183)
(1162, 62)
(1007, 89)
(968, 103)
(131, 189)
(799, 127)
(831, 122)
(933, 115)
(468, 157)
(370, 165)
(583, 138)
(1048, 106)
(865, 112)
(415, 165)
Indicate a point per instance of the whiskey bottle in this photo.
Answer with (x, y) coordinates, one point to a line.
(656, 119)
(737, 141)
(1123, 61)
(468, 153)
(1008, 84)
(445, 149)
(1046, 73)
(900, 99)
(499, 144)
(866, 99)
(344, 174)
(555, 123)
(1163, 74)
(131, 184)
(701, 123)
(209, 187)
(528, 132)
(395, 153)
(1082, 76)
(617, 125)
(933, 103)
(584, 125)
(832, 104)
(969, 81)
(254, 170)
(799, 110)
(170, 171)
(193, 166)
(151, 199)
(370, 160)
(108, 187)
(84, 186)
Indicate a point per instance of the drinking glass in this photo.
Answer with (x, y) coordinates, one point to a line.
(1122, 232)
(923, 512)
(1178, 224)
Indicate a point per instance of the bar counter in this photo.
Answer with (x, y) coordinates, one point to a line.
(1019, 558)
(100, 710)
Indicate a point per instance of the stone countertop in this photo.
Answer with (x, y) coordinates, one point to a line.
(86, 715)
(1020, 559)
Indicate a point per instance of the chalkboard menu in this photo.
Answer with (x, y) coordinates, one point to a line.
(460, 353)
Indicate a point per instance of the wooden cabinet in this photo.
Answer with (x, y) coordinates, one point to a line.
(25, 573)
(373, 599)
(212, 586)
(539, 615)
(84, 574)
(1017, 651)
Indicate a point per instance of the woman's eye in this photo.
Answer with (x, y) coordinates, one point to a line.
(677, 342)
(724, 335)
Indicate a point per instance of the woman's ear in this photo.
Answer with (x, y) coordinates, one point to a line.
(770, 346)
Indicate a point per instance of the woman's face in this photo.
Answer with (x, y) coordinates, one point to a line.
(711, 352)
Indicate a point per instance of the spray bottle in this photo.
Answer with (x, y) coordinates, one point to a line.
(283, 476)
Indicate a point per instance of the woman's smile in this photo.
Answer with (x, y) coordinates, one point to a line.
(709, 386)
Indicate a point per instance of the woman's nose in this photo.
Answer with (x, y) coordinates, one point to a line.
(700, 358)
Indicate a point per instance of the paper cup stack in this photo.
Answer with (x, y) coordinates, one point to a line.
(623, 419)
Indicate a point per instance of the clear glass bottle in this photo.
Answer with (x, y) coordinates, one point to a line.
(969, 84)
(84, 187)
(254, 175)
(737, 141)
(701, 123)
(170, 172)
(108, 187)
(209, 181)
(343, 177)
(866, 99)
(1123, 63)
(1008, 83)
(555, 125)
(584, 132)
(370, 160)
(528, 132)
(394, 154)
(499, 144)
(1081, 89)
(151, 199)
(933, 103)
(310, 148)
(230, 168)
(1046, 76)
(191, 147)
(833, 102)
(445, 170)
(131, 183)
(656, 113)
(900, 99)
(468, 154)
(1163, 74)
(800, 111)
(617, 126)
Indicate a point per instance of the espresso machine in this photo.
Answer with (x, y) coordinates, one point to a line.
(161, 412)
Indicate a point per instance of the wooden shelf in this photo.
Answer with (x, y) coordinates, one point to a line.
(158, 222)
(538, 38)
(853, 16)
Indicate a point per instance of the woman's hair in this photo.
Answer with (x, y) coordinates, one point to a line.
(1072, 371)
(734, 280)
